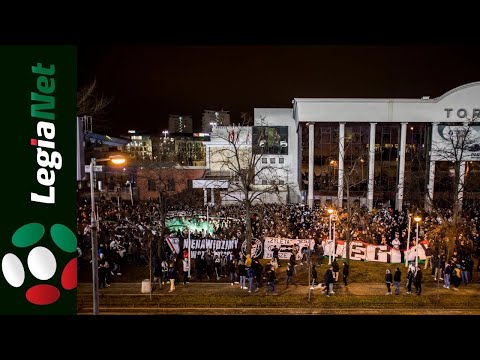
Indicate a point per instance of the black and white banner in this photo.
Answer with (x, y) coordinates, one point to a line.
(201, 245)
(285, 247)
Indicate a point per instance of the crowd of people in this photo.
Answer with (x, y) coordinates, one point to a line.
(125, 236)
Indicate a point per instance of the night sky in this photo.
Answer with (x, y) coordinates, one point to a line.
(149, 82)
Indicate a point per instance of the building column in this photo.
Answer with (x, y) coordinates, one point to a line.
(371, 166)
(341, 158)
(431, 175)
(401, 165)
(212, 196)
(311, 158)
(431, 182)
(205, 196)
(207, 157)
(461, 186)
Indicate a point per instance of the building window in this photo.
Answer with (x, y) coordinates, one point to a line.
(171, 185)
(264, 160)
(264, 182)
(281, 160)
(151, 185)
(272, 160)
(281, 182)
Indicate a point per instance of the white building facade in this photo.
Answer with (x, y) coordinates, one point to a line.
(398, 120)
(375, 151)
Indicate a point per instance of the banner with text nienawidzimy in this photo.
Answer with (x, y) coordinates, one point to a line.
(37, 235)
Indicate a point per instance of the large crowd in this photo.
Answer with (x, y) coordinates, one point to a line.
(126, 234)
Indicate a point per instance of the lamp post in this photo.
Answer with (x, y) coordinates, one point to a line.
(330, 212)
(131, 191)
(417, 219)
(116, 159)
(165, 133)
(363, 162)
(408, 238)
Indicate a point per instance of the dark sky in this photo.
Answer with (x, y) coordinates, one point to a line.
(149, 82)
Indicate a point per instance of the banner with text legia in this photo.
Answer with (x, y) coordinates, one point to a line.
(360, 250)
(285, 246)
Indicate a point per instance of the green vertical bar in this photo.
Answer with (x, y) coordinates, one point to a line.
(38, 116)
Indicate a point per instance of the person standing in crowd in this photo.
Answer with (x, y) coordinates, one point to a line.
(418, 280)
(275, 252)
(217, 266)
(456, 276)
(251, 277)
(258, 267)
(290, 273)
(232, 269)
(428, 256)
(446, 276)
(271, 278)
(397, 279)
(410, 277)
(242, 272)
(172, 275)
(164, 265)
(319, 254)
(464, 275)
(335, 269)
(345, 272)
(186, 267)
(388, 281)
(328, 280)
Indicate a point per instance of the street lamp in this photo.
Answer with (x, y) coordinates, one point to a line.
(116, 159)
(330, 212)
(131, 191)
(363, 162)
(165, 133)
(417, 219)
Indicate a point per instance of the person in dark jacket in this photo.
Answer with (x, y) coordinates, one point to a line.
(328, 279)
(397, 278)
(418, 280)
(410, 277)
(345, 272)
(271, 278)
(335, 269)
(388, 281)
(290, 273)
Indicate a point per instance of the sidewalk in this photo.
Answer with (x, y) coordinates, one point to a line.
(357, 289)
(209, 298)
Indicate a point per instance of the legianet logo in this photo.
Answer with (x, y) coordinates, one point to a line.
(38, 233)
(41, 263)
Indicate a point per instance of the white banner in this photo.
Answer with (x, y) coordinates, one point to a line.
(360, 250)
(285, 247)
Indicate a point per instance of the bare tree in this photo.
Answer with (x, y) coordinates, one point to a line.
(456, 144)
(252, 178)
(354, 214)
(162, 179)
(91, 103)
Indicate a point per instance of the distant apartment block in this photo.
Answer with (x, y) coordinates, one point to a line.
(180, 124)
(213, 118)
(140, 146)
